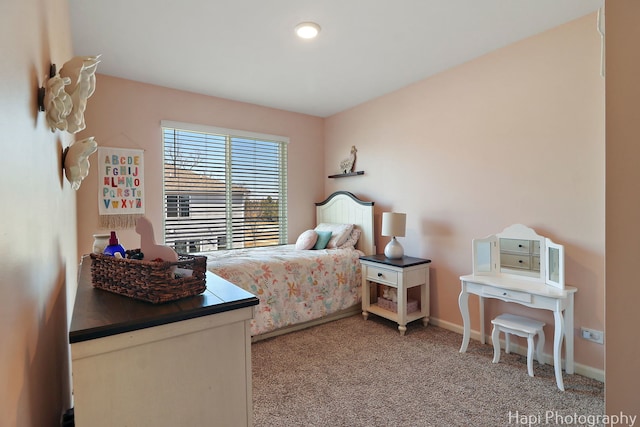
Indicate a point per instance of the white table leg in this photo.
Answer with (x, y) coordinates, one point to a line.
(401, 293)
(366, 295)
(568, 335)
(481, 309)
(557, 347)
(424, 299)
(463, 303)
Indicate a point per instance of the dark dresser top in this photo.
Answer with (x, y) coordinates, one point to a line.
(99, 313)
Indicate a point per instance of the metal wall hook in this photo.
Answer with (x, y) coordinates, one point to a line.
(41, 90)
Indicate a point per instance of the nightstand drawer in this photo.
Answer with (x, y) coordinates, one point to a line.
(506, 294)
(377, 274)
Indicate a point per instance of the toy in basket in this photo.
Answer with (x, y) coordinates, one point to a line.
(150, 279)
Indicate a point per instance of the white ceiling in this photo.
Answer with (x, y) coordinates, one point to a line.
(246, 50)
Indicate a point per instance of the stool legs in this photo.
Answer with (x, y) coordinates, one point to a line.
(540, 346)
(530, 355)
(522, 327)
(495, 338)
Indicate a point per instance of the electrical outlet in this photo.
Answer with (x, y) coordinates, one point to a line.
(592, 335)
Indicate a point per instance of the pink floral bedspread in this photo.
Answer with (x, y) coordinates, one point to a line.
(293, 286)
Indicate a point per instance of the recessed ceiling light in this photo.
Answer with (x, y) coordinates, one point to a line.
(307, 30)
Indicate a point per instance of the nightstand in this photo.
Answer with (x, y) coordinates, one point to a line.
(400, 274)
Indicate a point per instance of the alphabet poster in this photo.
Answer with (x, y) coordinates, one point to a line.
(120, 186)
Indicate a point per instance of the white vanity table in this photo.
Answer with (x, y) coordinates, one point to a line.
(523, 267)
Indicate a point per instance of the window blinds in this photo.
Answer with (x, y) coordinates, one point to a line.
(223, 189)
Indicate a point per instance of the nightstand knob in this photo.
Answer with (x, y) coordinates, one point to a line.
(379, 274)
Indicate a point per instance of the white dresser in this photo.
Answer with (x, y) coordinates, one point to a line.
(182, 363)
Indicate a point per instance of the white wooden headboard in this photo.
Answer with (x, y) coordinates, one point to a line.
(343, 207)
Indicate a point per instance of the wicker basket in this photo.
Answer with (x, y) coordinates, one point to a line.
(150, 281)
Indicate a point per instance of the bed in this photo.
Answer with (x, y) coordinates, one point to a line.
(302, 288)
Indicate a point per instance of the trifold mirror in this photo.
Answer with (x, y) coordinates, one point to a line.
(519, 251)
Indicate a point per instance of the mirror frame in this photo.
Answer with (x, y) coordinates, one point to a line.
(486, 256)
(557, 261)
(483, 248)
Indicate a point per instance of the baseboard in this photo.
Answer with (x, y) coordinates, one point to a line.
(580, 369)
(347, 312)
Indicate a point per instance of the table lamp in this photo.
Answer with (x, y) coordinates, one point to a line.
(393, 224)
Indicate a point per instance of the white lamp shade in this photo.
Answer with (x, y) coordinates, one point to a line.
(393, 224)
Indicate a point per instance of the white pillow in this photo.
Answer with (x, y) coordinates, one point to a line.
(306, 240)
(339, 233)
(352, 239)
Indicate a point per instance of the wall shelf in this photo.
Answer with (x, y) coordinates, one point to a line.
(343, 175)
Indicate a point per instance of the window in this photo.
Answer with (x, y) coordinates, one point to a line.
(223, 189)
(177, 205)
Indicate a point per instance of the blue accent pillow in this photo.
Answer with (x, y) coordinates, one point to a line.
(323, 239)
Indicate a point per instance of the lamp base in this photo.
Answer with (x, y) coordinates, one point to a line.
(394, 249)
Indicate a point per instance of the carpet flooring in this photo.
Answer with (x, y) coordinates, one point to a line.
(353, 372)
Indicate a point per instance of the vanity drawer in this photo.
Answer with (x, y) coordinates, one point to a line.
(516, 261)
(506, 294)
(516, 245)
(377, 274)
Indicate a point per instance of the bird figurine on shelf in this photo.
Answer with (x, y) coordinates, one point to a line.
(346, 165)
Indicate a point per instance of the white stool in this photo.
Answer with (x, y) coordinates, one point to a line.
(522, 327)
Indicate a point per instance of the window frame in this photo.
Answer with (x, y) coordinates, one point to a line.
(229, 135)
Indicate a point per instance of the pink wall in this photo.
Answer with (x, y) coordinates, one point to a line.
(127, 114)
(38, 221)
(623, 207)
(516, 136)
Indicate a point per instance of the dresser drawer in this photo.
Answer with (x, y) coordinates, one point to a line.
(506, 294)
(522, 262)
(377, 274)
